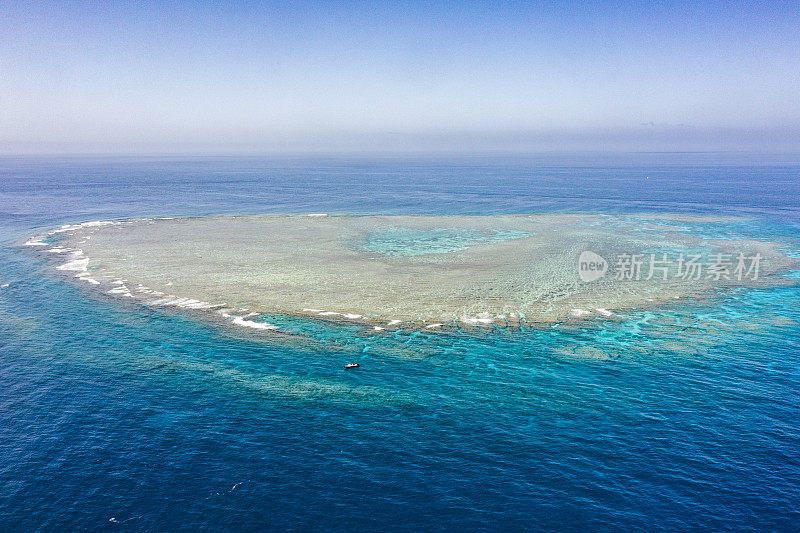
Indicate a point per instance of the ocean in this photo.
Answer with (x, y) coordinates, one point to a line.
(114, 415)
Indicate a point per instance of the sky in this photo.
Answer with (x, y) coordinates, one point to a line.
(251, 77)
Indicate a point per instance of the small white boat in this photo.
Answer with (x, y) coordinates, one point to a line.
(348, 366)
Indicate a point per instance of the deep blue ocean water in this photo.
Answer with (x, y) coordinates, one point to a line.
(115, 416)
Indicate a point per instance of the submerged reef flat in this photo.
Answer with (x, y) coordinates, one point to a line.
(415, 271)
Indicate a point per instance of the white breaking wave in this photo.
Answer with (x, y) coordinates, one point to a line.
(79, 263)
(85, 277)
(477, 320)
(240, 321)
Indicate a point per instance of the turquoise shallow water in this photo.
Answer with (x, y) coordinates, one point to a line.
(683, 417)
(408, 242)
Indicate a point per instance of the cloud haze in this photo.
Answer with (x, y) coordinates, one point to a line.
(97, 77)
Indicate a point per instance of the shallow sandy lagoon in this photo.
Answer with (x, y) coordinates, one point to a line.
(382, 269)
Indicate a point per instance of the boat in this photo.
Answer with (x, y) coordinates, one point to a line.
(348, 366)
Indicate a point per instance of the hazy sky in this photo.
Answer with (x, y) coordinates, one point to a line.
(299, 76)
